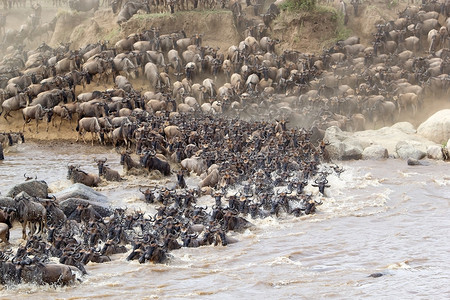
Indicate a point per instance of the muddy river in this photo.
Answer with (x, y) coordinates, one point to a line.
(382, 217)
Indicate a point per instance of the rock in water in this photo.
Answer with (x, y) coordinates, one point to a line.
(69, 205)
(437, 127)
(34, 188)
(352, 149)
(410, 149)
(7, 202)
(376, 275)
(375, 152)
(81, 191)
(416, 162)
(435, 152)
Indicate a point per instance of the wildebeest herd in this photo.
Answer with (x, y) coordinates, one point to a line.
(234, 136)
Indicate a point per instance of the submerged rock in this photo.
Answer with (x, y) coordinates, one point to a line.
(81, 191)
(416, 162)
(34, 188)
(7, 202)
(70, 205)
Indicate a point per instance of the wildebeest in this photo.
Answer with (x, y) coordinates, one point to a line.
(50, 99)
(151, 162)
(63, 113)
(76, 175)
(321, 183)
(55, 216)
(30, 213)
(211, 180)
(41, 273)
(105, 171)
(89, 124)
(408, 101)
(100, 66)
(15, 103)
(125, 65)
(84, 5)
(4, 232)
(33, 112)
(151, 73)
(128, 163)
(123, 133)
(129, 9)
(148, 195)
(93, 108)
(7, 216)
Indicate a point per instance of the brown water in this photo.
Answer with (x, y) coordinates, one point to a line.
(378, 217)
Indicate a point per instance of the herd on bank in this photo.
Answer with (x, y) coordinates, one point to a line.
(220, 115)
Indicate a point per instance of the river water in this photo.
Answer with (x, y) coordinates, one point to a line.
(379, 216)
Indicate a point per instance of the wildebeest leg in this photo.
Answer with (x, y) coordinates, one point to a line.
(24, 230)
(24, 124)
(7, 115)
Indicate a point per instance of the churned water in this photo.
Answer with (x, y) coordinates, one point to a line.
(378, 217)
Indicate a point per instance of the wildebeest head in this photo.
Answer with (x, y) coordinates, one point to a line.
(148, 195)
(70, 171)
(100, 164)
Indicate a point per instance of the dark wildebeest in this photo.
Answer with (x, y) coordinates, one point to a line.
(128, 163)
(84, 5)
(41, 273)
(129, 9)
(31, 213)
(50, 99)
(55, 215)
(107, 172)
(148, 195)
(321, 183)
(151, 162)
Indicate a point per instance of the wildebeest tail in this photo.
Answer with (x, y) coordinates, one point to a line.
(78, 127)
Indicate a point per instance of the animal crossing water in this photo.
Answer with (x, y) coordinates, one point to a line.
(378, 217)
